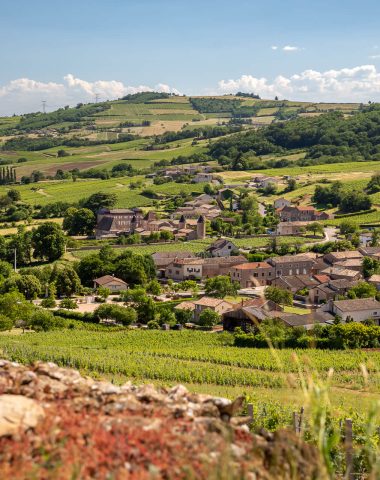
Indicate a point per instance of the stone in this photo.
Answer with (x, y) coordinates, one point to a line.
(18, 413)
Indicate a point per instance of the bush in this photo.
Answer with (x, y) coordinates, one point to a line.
(68, 304)
(42, 320)
(153, 325)
(6, 323)
(48, 302)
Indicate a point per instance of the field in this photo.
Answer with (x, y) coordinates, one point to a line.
(196, 246)
(205, 362)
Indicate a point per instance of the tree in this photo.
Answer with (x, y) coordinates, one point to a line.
(67, 282)
(123, 315)
(315, 227)
(291, 184)
(362, 290)
(347, 228)
(371, 266)
(79, 221)
(48, 241)
(6, 323)
(22, 243)
(103, 293)
(5, 269)
(14, 306)
(154, 287)
(279, 296)
(92, 267)
(221, 286)
(14, 195)
(167, 317)
(374, 184)
(183, 315)
(68, 304)
(28, 285)
(209, 317)
(100, 200)
(42, 320)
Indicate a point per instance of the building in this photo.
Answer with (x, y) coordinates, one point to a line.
(217, 305)
(295, 283)
(334, 257)
(291, 228)
(330, 290)
(281, 203)
(291, 265)
(110, 223)
(357, 310)
(252, 274)
(375, 280)
(301, 214)
(207, 211)
(163, 259)
(336, 273)
(222, 248)
(249, 314)
(201, 268)
(351, 264)
(370, 252)
(109, 281)
(203, 177)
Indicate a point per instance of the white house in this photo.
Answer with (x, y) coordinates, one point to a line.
(222, 248)
(358, 310)
(109, 281)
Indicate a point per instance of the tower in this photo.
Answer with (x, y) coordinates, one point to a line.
(201, 227)
(182, 222)
(133, 224)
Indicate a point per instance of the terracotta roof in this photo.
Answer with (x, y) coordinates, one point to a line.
(108, 279)
(185, 306)
(210, 302)
(322, 278)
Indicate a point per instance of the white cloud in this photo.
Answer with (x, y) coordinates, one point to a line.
(274, 47)
(374, 57)
(25, 95)
(290, 48)
(360, 84)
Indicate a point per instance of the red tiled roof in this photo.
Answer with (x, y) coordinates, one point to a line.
(252, 265)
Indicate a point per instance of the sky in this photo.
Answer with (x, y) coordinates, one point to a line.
(66, 52)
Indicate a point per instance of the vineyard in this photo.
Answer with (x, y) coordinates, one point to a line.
(193, 358)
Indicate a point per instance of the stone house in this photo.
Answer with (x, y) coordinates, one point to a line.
(201, 268)
(109, 281)
(291, 228)
(295, 283)
(301, 214)
(358, 310)
(334, 257)
(222, 248)
(330, 290)
(291, 265)
(252, 274)
(217, 305)
(281, 203)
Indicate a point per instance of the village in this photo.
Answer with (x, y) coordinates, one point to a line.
(320, 287)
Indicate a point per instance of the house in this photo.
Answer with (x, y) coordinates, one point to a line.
(203, 177)
(248, 314)
(307, 320)
(222, 248)
(109, 281)
(370, 252)
(217, 305)
(185, 306)
(291, 228)
(301, 214)
(207, 211)
(201, 268)
(351, 264)
(295, 283)
(291, 265)
(281, 203)
(330, 290)
(375, 280)
(358, 310)
(111, 223)
(334, 257)
(163, 259)
(201, 200)
(225, 193)
(252, 274)
(336, 273)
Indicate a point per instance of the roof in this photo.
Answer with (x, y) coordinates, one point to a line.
(108, 279)
(369, 250)
(220, 243)
(357, 304)
(214, 260)
(299, 281)
(345, 255)
(351, 262)
(374, 278)
(252, 265)
(321, 278)
(185, 306)
(289, 259)
(296, 320)
(210, 302)
(342, 283)
(343, 272)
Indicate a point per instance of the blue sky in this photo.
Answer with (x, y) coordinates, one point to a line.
(191, 46)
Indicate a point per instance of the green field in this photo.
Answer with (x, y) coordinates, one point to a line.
(204, 362)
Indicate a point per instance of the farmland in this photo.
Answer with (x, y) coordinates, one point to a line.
(206, 362)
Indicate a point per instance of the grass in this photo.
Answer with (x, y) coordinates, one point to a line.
(296, 310)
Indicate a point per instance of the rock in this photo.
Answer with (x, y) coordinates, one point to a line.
(18, 413)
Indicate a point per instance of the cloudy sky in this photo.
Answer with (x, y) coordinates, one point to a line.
(66, 52)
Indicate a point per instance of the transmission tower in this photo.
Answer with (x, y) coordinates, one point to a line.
(44, 106)
(97, 96)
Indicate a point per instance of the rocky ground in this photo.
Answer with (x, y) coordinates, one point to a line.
(56, 424)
